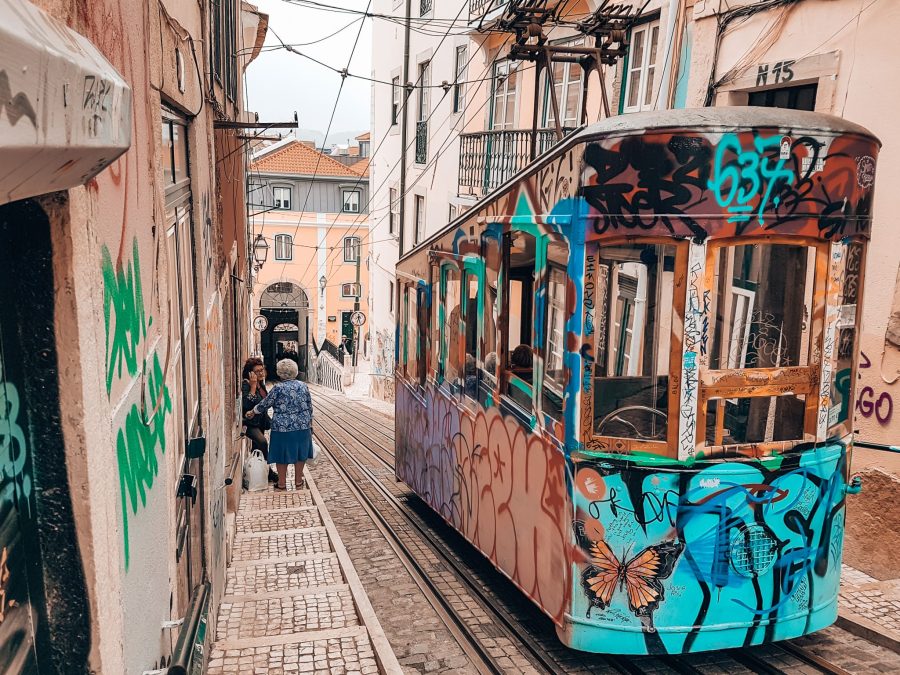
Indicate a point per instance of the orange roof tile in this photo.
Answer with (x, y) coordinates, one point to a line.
(362, 166)
(363, 137)
(297, 158)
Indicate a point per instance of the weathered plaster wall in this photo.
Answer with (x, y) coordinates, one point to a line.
(857, 88)
(115, 306)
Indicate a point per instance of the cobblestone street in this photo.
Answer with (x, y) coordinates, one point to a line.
(293, 603)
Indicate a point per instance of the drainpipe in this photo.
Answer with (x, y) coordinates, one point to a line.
(663, 102)
(404, 122)
(876, 446)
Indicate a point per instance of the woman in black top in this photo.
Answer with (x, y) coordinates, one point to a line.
(253, 391)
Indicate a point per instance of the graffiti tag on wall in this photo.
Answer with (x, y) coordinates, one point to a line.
(142, 434)
(871, 403)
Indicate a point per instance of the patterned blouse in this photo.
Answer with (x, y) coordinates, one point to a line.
(293, 406)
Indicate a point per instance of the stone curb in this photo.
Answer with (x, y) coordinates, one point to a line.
(869, 630)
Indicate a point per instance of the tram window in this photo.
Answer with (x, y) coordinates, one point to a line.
(842, 388)
(634, 326)
(415, 357)
(449, 325)
(762, 306)
(520, 307)
(555, 330)
(488, 379)
(755, 420)
(470, 374)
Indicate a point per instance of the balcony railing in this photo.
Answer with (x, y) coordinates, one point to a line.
(487, 159)
(421, 142)
(479, 8)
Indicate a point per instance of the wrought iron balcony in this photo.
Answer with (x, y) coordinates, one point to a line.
(479, 9)
(487, 159)
(421, 142)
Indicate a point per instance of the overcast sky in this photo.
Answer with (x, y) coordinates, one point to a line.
(279, 82)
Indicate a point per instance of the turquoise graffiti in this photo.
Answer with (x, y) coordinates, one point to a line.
(141, 437)
(13, 449)
(749, 179)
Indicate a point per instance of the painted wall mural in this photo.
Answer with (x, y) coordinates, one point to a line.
(141, 438)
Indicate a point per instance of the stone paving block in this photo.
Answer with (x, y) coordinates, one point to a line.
(281, 576)
(294, 614)
(278, 520)
(271, 500)
(259, 547)
(351, 655)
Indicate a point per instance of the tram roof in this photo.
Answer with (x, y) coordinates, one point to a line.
(722, 118)
(715, 119)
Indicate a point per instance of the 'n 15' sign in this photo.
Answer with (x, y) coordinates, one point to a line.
(781, 71)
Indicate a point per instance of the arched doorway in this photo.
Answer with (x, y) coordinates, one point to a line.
(286, 306)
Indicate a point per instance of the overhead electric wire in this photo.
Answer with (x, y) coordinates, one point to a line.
(337, 99)
(405, 102)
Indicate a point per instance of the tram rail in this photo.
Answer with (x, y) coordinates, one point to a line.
(341, 421)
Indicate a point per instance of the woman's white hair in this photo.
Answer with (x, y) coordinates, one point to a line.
(286, 369)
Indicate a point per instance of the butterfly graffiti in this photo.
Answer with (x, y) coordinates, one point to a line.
(639, 577)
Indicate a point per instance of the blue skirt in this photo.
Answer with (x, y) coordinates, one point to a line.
(288, 447)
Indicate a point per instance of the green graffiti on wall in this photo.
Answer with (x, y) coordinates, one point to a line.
(124, 300)
(142, 434)
(12, 448)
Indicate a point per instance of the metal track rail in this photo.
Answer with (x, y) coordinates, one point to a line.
(537, 655)
(481, 660)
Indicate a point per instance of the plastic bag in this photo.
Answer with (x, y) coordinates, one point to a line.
(256, 472)
(316, 451)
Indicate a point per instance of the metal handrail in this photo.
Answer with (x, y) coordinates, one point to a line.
(183, 654)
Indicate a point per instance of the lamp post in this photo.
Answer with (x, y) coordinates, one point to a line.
(260, 251)
(322, 282)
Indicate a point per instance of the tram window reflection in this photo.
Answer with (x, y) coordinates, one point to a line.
(762, 306)
(470, 374)
(634, 326)
(488, 379)
(761, 419)
(520, 308)
(555, 330)
(449, 364)
(412, 333)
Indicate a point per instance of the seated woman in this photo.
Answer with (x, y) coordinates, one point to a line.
(253, 390)
(521, 362)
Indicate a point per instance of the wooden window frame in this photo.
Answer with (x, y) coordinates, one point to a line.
(797, 380)
(669, 446)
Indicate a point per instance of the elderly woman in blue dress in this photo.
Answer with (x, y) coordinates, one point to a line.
(291, 436)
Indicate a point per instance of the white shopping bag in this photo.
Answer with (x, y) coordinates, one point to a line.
(316, 451)
(256, 472)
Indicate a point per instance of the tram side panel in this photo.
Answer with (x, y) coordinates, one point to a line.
(719, 555)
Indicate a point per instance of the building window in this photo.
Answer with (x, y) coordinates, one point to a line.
(351, 249)
(452, 214)
(351, 201)
(391, 297)
(419, 233)
(350, 291)
(393, 215)
(282, 197)
(284, 247)
(503, 95)
(422, 113)
(568, 79)
(459, 88)
(424, 7)
(640, 75)
(395, 100)
(795, 98)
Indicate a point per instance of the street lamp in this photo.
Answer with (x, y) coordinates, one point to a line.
(322, 282)
(260, 251)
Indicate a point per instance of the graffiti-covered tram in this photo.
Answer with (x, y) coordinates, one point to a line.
(626, 375)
